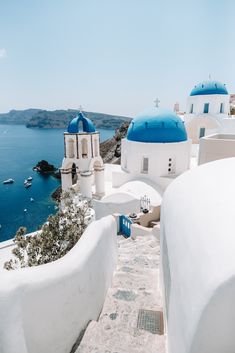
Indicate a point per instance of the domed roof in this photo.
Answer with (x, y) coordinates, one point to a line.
(87, 124)
(157, 125)
(209, 87)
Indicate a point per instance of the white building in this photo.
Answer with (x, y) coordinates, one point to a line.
(207, 111)
(156, 148)
(82, 165)
(155, 151)
(214, 147)
(198, 262)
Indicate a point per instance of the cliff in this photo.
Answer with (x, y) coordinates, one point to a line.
(58, 118)
(110, 150)
(61, 119)
(17, 116)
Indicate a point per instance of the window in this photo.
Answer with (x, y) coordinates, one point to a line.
(171, 165)
(221, 108)
(202, 132)
(145, 166)
(191, 109)
(206, 108)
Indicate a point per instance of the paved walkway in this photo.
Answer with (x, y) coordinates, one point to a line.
(122, 326)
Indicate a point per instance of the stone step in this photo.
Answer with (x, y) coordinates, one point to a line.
(135, 289)
(124, 339)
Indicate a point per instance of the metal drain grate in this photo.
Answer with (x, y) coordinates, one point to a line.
(151, 321)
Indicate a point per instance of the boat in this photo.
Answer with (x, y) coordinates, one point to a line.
(30, 178)
(8, 181)
(31, 199)
(25, 210)
(27, 185)
(25, 182)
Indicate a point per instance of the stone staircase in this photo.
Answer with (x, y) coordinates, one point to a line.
(122, 326)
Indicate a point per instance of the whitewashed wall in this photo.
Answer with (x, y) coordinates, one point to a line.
(158, 155)
(43, 309)
(197, 259)
(214, 101)
(214, 147)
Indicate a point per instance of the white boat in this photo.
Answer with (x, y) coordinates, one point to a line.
(8, 181)
(31, 199)
(25, 210)
(27, 185)
(25, 182)
(30, 178)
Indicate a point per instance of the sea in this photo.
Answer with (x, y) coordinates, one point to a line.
(21, 149)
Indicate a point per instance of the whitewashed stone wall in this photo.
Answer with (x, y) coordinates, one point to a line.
(43, 309)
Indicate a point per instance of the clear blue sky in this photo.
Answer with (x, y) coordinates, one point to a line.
(112, 56)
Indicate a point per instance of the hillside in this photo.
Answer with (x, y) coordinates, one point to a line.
(61, 119)
(17, 116)
(110, 150)
(58, 118)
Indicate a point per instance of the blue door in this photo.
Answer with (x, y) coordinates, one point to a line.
(125, 225)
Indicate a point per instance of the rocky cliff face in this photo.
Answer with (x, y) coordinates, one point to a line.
(110, 150)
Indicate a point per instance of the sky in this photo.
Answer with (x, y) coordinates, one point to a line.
(112, 56)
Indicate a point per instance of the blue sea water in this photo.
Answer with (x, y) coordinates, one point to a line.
(20, 150)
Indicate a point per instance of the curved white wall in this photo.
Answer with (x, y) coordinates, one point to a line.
(43, 309)
(198, 262)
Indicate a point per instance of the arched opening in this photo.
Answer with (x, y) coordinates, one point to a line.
(80, 126)
(84, 148)
(70, 148)
(74, 174)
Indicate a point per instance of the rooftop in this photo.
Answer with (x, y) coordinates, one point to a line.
(209, 87)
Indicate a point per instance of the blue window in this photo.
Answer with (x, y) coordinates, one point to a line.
(202, 132)
(206, 108)
(221, 108)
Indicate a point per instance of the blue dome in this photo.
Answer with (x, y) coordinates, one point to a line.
(209, 87)
(157, 125)
(87, 124)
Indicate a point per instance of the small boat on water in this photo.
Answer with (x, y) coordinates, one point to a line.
(8, 181)
(25, 210)
(25, 182)
(27, 185)
(30, 178)
(31, 199)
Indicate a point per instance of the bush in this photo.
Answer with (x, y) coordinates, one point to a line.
(58, 235)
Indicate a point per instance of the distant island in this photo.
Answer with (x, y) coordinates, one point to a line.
(37, 118)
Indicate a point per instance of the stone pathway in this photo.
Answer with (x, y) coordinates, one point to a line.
(122, 326)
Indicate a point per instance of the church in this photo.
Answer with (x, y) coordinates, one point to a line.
(197, 284)
(166, 283)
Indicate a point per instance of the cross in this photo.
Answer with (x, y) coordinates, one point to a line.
(157, 101)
